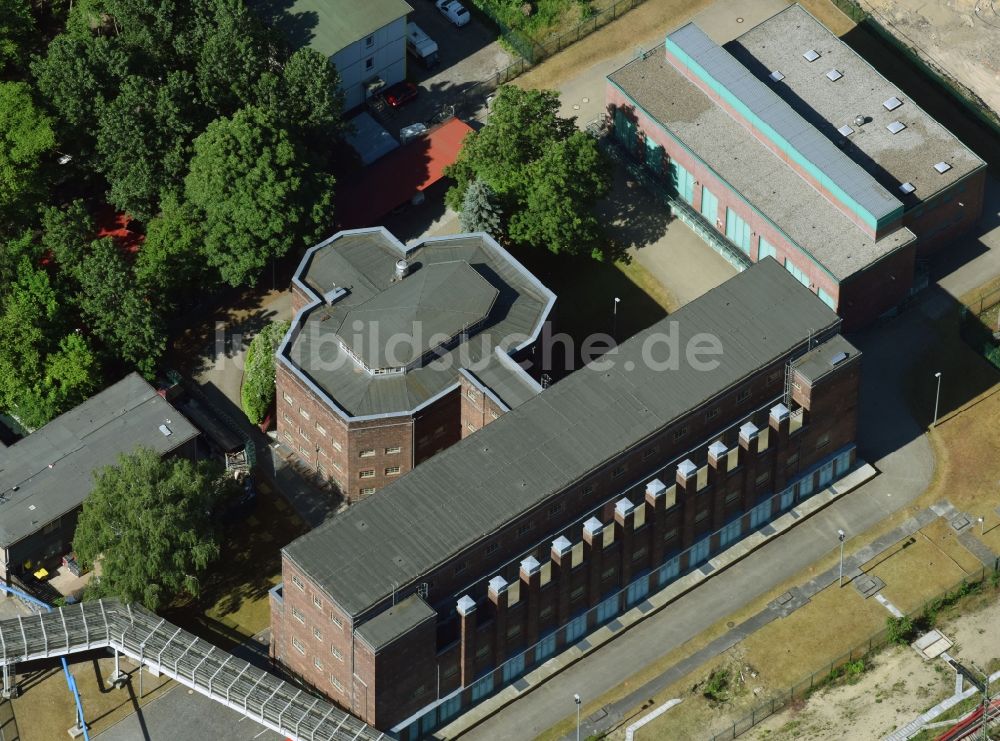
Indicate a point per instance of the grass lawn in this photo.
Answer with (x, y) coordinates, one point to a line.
(234, 603)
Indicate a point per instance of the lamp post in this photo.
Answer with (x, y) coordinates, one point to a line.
(937, 397)
(614, 319)
(841, 535)
(578, 701)
(982, 526)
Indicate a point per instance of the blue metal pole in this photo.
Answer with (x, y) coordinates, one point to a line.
(70, 681)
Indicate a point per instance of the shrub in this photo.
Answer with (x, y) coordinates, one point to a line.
(717, 686)
(899, 630)
(258, 372)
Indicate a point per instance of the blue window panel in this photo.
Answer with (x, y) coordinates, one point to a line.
(760, 514)
(575, 629)
(449, 708)
(842, 463)
(766, 249)
(654, 157)
(546, 647)
(428, 721)
(513, 668)
(637, 590)
(709, 206)
(787, 497)
(827, 299)
(482, 688)
(826, 474)
(699, 552)
(737, 230)
(806, 487)
(607, 609)
(731, 532)
(794, 270)
(670, 570)
(683, 181)
(625, 129)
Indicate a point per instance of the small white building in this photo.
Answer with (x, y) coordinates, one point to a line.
(365, 39)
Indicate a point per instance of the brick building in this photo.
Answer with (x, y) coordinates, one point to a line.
(565, 511)
(368, 376)
(792, 146)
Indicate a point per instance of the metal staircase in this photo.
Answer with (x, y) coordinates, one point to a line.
(193, 662)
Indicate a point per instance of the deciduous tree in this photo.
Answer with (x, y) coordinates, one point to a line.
(148, 522)
(26, 139)
(258, 371)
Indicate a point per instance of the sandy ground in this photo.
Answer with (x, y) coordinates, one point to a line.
(898, 687)
(959, 36)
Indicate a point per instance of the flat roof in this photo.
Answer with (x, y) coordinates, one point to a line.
(329, 26)
(784, 126)
(50, 472)
(769, 184)
(477, 486)
(464, 276)
(506, 380)
(825, 357)
(402, 617)
(891, 159)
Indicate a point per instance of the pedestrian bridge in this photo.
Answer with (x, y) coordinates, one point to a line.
(191, 661)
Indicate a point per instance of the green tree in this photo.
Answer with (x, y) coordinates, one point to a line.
(171, 261)
(147, 520)
(117, 309)
(257, 193)
(257, 393)
(66, 232)
(17, 28)
(481, 210)
(72, 374)
(26, 139)
(12, 252)
(312, 101)
(558, 205)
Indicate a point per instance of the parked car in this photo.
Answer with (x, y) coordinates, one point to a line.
(454, 11)
(400, 94)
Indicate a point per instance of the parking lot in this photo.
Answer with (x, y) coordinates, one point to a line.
(468, 55)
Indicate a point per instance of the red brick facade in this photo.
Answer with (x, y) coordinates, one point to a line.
(560, 570)
(478, 407)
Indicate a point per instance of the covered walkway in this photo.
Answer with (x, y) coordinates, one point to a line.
(195, 663)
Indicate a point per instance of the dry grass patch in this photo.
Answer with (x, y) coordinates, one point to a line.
(915, 571)
(941, 535)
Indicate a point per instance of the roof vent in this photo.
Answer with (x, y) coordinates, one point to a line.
(892, 104)
(776, 76)
(907, 188)
(860, 120)
(165, 431)
(838, 358)
(834, 75)
(402, 269)
(895, 127)
(811, 56)
(335, 293)
(942, 167)
(845, 130)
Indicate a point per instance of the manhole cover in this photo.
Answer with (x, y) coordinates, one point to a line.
(730, 624)
(960, 523)
(739, 20)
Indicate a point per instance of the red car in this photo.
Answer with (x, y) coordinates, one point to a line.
(400, 94)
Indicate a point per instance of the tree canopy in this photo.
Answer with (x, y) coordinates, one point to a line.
(545, 174)
(26, 138)
(148, 521)
(256, 193)
(258, 371)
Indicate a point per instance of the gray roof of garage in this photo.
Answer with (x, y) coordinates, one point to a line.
(52, 469)
(472, 489)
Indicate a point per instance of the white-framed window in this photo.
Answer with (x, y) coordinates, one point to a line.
(367, 453)
(370, 40)
(370, 63)
(288, 437)
(287, 397)
(392, 471)
(336, 445)
(304, 413)
(317, 633)
(336, 654)
(320, 429)
(298, 582)
(299, 646)
(336, 684)
(317, 602)
(394, 450)
(367, 491)
(494, 415)
(800, 276)
(337, 621)
(367, 473)
(472, 394)
(318, 664)
(766, 249)
(297, 614)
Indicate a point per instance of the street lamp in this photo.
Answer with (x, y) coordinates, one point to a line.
(982, 526)
(937, 397)
(842, 536)
(576, 699)
(614, 318)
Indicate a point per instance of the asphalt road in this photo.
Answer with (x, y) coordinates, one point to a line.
(185, 715)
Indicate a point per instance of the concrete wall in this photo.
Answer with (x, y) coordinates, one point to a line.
(385, 57)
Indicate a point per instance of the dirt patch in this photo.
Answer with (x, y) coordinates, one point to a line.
(960, 37)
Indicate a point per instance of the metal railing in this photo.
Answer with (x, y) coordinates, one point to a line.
(195, 663)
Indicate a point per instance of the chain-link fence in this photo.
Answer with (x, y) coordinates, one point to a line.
(979, 325)
(923, 616)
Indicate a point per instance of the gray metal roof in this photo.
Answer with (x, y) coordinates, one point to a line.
(892, 159)
(464, 275)
(824, 358)
(539, 449)
(402, 617)
(52, 469)
(505, 379)
(769, 184)
(442, 300)
(329, 25)
(767, 106)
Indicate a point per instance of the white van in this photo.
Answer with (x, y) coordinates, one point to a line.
(421, 46)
